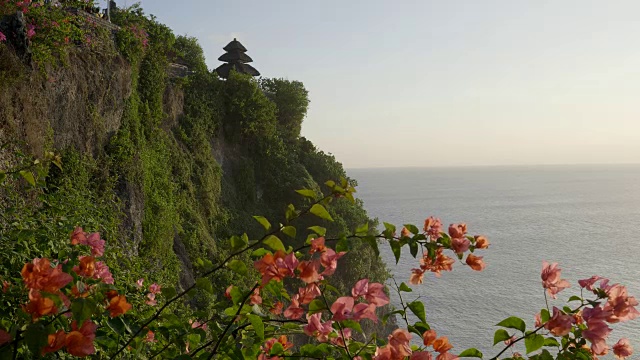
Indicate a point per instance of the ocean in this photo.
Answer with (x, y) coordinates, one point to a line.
(585, 217)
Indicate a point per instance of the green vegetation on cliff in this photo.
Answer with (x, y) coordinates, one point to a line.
(167, 169)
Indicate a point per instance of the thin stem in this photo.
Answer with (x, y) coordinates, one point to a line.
(518, 339)
(344, 339)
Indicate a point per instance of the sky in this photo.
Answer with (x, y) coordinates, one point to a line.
(443, 83)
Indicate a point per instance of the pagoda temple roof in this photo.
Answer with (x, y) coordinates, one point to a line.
(233, 56)
(234, 45)
(224, 69)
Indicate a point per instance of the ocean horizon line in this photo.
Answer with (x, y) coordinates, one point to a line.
(421, 167)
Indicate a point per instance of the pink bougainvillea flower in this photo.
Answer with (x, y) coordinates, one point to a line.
(309, 271)
(551, 279)
(360, 288)
(274, 266)
(428, 337)
(294, 311)
(155, 288)
(343, 335)
(78, 236)
(96, 244)
(417, 276)
(475, 262)
(5, 337)
(308, 293)
(372, 292)
(317, 245)
(364, 311)
(460, 245)
(622, 349)
(316, 328)
(55, 342)
(481, 242)
(255, 298)
(457, 230)
(621, 305)
(79, 342)
(510, 341)
(421, 355)
(139, 283)
(538, 320)
(560, 324)
(588, 283)
(151, 299)
(2, 37)
(447, 356)
(329, 259)
(103, 273)
(440, 263)
(266, 348)
(39, 275)
(5, 286)
(277, 307)
(150, 337)
(405, 232)
(597, 329)
(399, 343)
(432, 227)
(383, 353)
(342, 308)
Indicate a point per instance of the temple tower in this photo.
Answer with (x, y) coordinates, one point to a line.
(235, 58)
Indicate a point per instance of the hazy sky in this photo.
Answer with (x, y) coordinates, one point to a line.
(440, 83)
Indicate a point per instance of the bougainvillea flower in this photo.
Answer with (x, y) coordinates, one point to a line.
(360, 288)
(269, 269)
(622, 349)
(342, 308)
(457, 230)
(103, 273)
(78, 237)
(329, 259)
(309, 271)
(428, 337)
(5, 337)
(588, 283)
(151, 299)
(308, 293)
(440, 263)
(460, 245)
(2, 37)
(383, 353)
(447, 356)
(87, 266)
(551, 279)
(417, 276)
(266, 348)
(150, 337)
(255, 298)
(399, 343)
(560, 324)
(277, 307)
(433, 227)
(317, 245)
(372, 292)
(343, 335)
(39, 275)
(405, 232)
(421, 355)
(155, 288)
(475, 262)
(294, 311)
(118, 305)
(481, 242)
(55, 342)
(621, 305)
(442, 344)
(96, 244)
(227, 292)
(364, 311)
(597, 329)
(139, 283)
(39, 305)
(316, 328)
(79, 342)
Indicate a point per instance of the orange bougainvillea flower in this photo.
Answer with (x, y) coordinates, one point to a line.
(5, 337)
(475, 262)
(38, 305)
(39, 275)
(87, 266)
(429, 337)
(442, 344)
(79, 342)
(118, 305)
(55, 342)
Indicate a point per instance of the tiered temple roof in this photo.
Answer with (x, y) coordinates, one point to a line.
(235, 58)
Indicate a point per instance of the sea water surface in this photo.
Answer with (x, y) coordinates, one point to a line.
(586, 218)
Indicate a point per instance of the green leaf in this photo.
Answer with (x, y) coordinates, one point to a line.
(274, 242)
(342, 244)
(373, 242)
(3, 176)
(290, 213)
(396, 248)
(533, 342)
(330, 183)
(307, 193)
(238, 242)
(544, 315)
(363, 229)
(259, 252)
(276, 349)
(389, 229)
(412, 228)
(421, 327)
(418, 309)
(318, 230)
(237, 266)
(289, 231)
(413, 248)
(500, 335)
(204, 284)
(320, 211)
(257, 324)
(263, 221)
(404, 287)
(316, 305)
(82, 309)
(36, 337)
(513, 322)
(27, 175)
(575, 298)
(551, 342)
(169, 292)
(473, 352)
